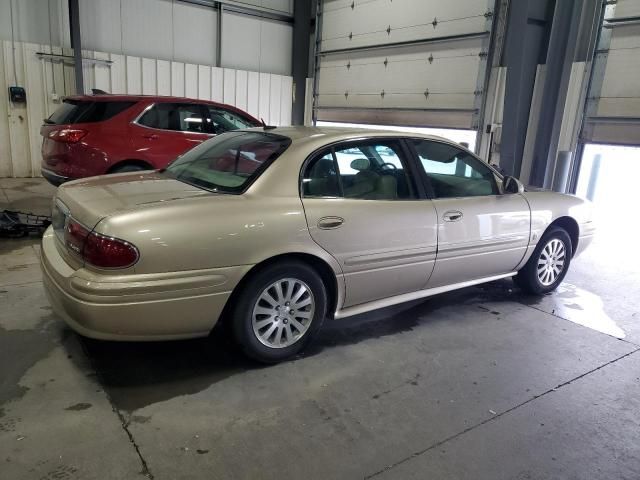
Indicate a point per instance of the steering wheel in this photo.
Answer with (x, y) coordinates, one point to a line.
(387, 164)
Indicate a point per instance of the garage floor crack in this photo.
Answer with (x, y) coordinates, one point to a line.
(495, 417)
(123, 421)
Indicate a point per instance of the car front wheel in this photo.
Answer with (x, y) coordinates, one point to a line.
(279, 311)
(548, 264)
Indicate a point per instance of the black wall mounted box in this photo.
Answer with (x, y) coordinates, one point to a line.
(17, 95)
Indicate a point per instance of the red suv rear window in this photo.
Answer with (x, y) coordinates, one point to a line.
(85, 111)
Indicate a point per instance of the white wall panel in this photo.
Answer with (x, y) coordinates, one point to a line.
(33, 23)
(262, 94)
(134, 75)
(204, 82)
(6, 161)
(118, 74)
(195, 33)
(275, 93)
(217, 84)
(263, 101)
(241, 90)
(149, 82)
(229, 86)
(286, 100)
(177, 79)
(253, 93)
(163, 73)
(249, 43)
(191, 80)
(102, 73)
(147, 28)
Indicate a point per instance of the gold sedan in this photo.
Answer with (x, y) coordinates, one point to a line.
(273, 230)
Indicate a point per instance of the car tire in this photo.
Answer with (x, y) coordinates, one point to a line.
(548, 264)
(279, 311)
(129, 167)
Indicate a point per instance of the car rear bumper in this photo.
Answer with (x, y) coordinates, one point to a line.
(136, 307)
(54, 178)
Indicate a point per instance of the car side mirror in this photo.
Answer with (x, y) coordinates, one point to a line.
(512, 185)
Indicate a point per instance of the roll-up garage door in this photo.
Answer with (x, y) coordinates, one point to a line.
(408, 62)
(613, 104)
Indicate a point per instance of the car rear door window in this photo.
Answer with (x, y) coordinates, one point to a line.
(230, 162)
(222, 120)
(369, 170)
(181, 117)
(453, 172)
(81, 111)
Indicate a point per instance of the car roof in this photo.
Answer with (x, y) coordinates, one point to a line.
(326, 135)
(108, 97)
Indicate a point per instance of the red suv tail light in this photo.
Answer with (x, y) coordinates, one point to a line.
(68, 135)
(99, 250)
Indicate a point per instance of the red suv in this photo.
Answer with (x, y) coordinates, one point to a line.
(97, 134)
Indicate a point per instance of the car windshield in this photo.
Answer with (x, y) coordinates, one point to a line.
(229, 162)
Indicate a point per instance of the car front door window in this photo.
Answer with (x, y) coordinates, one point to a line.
(366, 171)
(453, 172)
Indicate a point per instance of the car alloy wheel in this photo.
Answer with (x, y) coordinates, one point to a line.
(283, 313)
(551, 262)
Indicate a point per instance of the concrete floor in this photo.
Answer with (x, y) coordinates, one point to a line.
(483, 383)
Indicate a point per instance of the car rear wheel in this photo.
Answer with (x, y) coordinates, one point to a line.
(548, 264)
(129, 167)
(279, 311)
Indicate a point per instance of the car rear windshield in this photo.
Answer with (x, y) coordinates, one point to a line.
(229, 162)
(83, 111)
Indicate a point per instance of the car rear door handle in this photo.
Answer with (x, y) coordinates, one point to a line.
(151, 136)
(452, 216)
(329, 223)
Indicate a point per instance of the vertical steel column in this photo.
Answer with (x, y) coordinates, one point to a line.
(219, 39)
(525, 48)
(300, 58)
(562, 43)
(316, 57)
(76, 44)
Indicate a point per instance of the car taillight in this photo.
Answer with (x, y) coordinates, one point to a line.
(68, 135)
(107, 252)
(75, 235)
(98, 250)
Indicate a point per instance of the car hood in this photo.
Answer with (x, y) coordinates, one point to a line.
(90, 200)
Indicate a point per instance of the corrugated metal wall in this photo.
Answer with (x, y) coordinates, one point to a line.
(264, 95)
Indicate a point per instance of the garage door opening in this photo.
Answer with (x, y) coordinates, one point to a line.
(607, 177)
(465, 137)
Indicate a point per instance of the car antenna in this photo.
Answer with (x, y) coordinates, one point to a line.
(265, 126)
(97, 91)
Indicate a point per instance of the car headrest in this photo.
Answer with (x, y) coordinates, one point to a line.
(361, 164)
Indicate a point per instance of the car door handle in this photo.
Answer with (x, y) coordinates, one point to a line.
(452, 216)
(329, 223)
(151, 136)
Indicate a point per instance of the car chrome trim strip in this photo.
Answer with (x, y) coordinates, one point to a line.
(407, 297)
(428, 255)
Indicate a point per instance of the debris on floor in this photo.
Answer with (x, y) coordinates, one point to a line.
(16, 224)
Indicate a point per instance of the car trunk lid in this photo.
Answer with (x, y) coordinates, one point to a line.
(88, 201)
